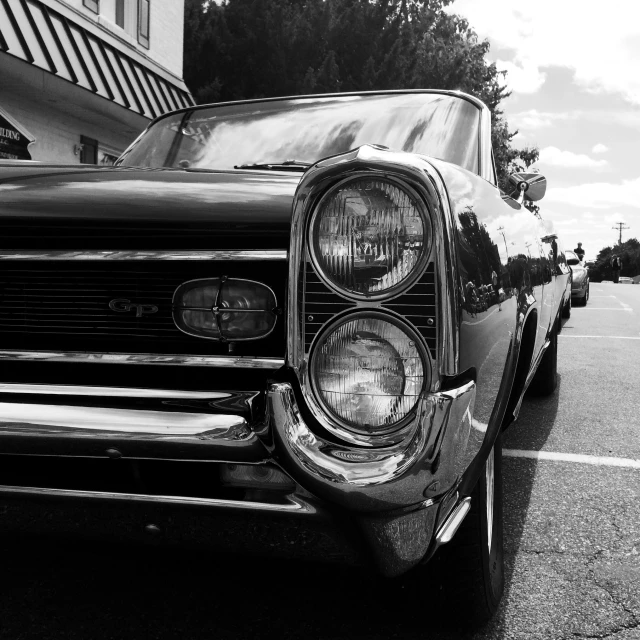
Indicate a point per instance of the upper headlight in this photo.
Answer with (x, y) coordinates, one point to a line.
(369, 237)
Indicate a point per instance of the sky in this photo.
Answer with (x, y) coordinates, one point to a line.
(573, 68)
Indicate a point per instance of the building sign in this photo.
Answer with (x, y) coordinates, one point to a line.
(13, 142)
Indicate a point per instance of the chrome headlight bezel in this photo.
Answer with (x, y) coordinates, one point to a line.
(417, 270)
(335, 423)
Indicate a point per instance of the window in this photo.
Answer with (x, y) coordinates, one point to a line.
(94, 5)
(88, 150)
(143, 22)
(120, 13)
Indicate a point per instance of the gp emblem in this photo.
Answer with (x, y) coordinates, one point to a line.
(122, 305)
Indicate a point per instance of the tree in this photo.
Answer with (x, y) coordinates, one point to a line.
(263, 48)
(629, 253)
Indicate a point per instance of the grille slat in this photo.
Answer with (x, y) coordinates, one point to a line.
(416, 305)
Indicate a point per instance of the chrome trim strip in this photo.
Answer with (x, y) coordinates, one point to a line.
(237, 362)
(276, 254)
(486, 162)
(294, 504)
(453, 522)
(110, 392)
(63, 421)
(448, 313)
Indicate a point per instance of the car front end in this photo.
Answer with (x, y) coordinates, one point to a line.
(186, 360)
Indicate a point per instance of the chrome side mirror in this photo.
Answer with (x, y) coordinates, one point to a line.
(527, 184)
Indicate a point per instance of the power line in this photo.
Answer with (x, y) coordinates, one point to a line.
(619, 227)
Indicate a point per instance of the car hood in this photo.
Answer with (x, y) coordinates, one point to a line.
(57, 207)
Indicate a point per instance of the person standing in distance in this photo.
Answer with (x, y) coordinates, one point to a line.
(579, 251)
(616, 265)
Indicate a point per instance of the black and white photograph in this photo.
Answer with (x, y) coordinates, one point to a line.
(318, 320)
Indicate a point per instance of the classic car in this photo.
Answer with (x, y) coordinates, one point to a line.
(579, 279)
(290, 326)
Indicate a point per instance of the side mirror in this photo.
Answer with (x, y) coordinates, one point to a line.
(528, 183)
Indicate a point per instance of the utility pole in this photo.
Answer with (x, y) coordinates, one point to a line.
(619, 227)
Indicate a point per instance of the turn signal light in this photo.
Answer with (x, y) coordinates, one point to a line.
(255, 477)
(225, 309)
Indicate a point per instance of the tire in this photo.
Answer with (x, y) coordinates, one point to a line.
(586, 297)
(474, 559)
(566, 309)
(545, 380)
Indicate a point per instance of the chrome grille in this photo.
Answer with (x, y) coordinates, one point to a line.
(59, 304)
(417, 305)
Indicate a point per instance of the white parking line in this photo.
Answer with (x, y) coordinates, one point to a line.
(605, 309)
(568, 335)
(600, 461)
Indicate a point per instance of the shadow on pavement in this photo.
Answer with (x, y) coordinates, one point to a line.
(536, 419)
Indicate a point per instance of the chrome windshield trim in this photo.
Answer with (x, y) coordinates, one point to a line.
(111, 392)
(260, 254)
(237, 362)
(292, 504)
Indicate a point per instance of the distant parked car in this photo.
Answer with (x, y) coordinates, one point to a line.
(625, 280)
(580, 279)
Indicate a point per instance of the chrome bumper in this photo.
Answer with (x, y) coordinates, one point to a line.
(399, 495)
(127, 422)
(391, 499)
(394, 477)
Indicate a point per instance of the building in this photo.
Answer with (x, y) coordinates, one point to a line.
(80, 79)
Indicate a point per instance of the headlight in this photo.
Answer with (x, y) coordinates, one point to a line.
(369, 237)
(368, 371)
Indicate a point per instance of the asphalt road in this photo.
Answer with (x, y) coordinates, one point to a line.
(572, 539)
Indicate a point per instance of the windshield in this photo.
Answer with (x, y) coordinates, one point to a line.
(305, 130)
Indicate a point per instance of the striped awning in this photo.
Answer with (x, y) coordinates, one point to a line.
(37, 34)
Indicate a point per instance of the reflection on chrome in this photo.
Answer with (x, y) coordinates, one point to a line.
(260, 254)
(111, 392)
(386, 478)
(60, 420)
(239, 362)
(292, 503)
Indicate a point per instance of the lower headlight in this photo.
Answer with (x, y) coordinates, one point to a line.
(368, 371)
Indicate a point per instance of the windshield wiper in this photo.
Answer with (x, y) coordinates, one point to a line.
(286, 165)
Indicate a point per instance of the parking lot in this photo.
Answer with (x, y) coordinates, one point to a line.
(572, 509)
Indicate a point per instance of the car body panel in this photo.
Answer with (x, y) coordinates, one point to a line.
(229, 210)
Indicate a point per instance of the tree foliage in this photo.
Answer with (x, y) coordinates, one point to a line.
(629, 253)
(263, 48)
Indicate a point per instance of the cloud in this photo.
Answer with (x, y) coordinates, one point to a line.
(600, 47)
(599, 148)
(557, 158)
(534, 119)
(524, 76)
(598, 195)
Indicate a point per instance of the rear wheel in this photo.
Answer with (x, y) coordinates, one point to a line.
(586, 297)
(546, 377)
(474, 559)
